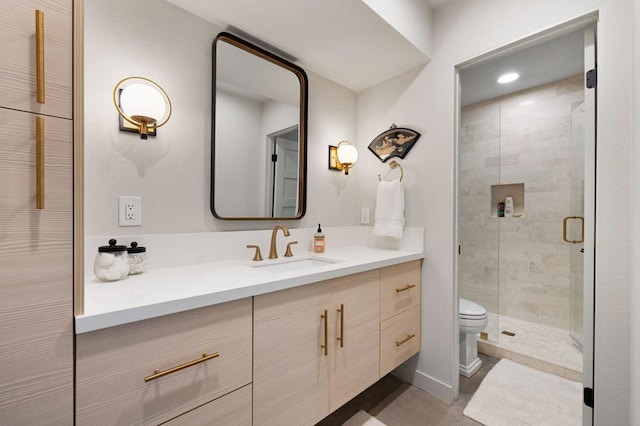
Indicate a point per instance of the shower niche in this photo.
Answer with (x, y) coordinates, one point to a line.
(500, 192)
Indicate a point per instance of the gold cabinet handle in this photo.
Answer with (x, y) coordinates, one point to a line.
(40, 163)
(325, 346)
(39, 56)
(564, 229)
(405, 288)
(405, 340)
(341, 337)
(157, 374)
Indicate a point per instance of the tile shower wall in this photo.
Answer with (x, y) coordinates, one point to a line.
(520, 266)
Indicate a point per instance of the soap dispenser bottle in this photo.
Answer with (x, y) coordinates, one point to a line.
(318, 241)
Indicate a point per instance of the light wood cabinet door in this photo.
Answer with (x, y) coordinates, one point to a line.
(36, 284)
(354, 318)
(294, 380)
(18, 56)
(233, 409)
(113, 365)
(290, 368)
(399, 288)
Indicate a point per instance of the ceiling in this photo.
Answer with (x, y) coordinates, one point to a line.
(537, 65)
(347, 42)
(342, 40)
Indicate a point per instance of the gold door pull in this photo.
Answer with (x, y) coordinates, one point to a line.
(157, 374)
(564, 229)
(341, 337)
(39, 56)
(40, 163)
(325, 346)
(405, 288)
(405, 340)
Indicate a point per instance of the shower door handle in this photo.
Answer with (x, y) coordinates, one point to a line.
(564, 229)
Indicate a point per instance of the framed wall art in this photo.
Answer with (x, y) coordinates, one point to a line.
(395, 142)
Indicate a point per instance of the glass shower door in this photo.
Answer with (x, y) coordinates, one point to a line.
(574, 234)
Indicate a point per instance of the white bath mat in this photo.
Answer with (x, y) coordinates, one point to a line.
(362, 418)
(513, 394)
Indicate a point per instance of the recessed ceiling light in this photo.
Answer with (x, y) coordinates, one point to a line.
(508, 77)
(525, 103)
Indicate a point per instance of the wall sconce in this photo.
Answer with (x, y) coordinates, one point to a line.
(347, 155)
(142, 104)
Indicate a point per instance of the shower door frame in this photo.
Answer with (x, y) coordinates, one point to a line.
(589, 24)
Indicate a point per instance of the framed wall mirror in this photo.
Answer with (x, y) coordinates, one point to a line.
(258, 134)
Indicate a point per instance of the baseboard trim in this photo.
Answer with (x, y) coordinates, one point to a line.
(425, 382)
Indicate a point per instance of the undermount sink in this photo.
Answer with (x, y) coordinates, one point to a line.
(296, 264)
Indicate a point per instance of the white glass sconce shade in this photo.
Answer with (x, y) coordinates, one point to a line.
(347, 155)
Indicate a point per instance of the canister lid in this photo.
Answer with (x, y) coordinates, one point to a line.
(135, 249)
(112, 247)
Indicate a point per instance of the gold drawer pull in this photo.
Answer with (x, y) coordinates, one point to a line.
(325, 346)
(405, 340)
(405, 288)
(341, 338)
(39, 163)
(39, 56)
(157, 374)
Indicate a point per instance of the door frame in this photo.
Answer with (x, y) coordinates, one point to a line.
(271, 147)
(589, 20)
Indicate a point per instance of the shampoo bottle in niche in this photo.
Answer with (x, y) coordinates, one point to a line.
(501, 208)
(318, 241)
(508, 207)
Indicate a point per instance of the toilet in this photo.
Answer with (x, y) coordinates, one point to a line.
(472, 319)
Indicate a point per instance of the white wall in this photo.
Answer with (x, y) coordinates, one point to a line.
(635, 196)
(171, 172)
(424, 100)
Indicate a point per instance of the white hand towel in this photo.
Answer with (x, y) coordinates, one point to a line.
(389, 209)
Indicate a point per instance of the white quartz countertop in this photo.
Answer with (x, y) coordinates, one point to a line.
(163, 291)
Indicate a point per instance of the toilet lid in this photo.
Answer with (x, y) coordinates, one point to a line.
(469, 309)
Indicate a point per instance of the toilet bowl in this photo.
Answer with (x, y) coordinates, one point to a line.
(472, 319)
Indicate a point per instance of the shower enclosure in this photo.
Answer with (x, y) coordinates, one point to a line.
(526, 266)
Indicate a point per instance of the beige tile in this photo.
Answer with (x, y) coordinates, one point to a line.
(538, 364)
(493, 350)
(573, 375)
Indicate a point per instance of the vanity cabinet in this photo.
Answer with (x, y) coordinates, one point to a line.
(206, 353)
(36, 260)
(301, 371)
(399, 314)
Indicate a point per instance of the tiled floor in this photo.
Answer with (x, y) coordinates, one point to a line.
(539, 346)
(397, 403)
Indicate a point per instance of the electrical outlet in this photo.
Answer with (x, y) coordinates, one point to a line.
(364, 216)
(130, 211)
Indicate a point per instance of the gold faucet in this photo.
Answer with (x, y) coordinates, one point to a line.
(273, 251)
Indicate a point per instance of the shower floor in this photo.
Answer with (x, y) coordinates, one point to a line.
(539, 346)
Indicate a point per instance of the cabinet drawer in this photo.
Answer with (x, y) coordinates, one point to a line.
(399, 288)
(112, 365)
(232, 409)
(399, 339)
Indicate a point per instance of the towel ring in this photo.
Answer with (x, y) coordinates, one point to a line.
(392, 165)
